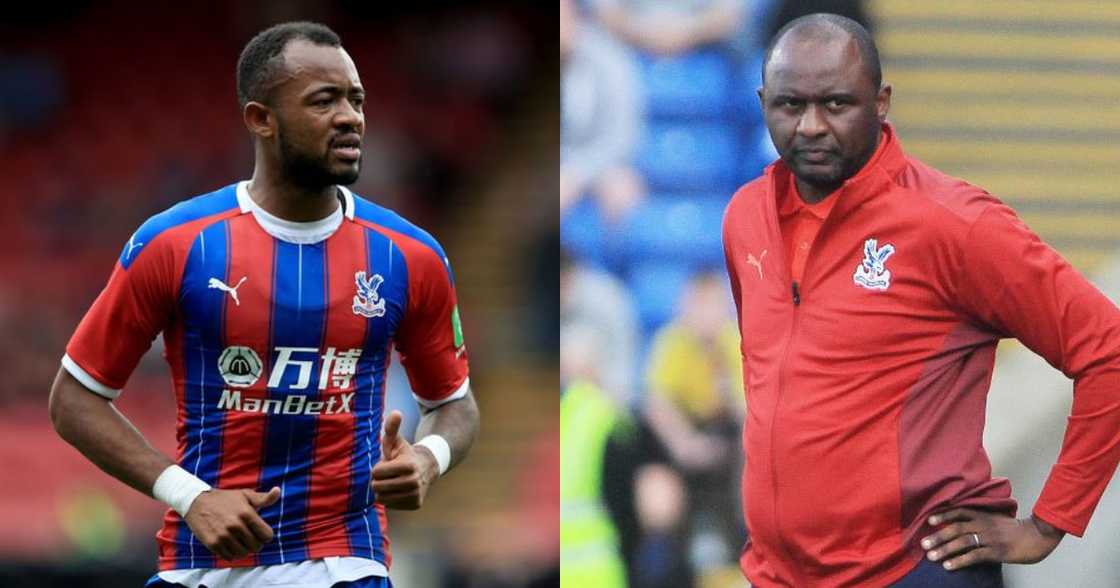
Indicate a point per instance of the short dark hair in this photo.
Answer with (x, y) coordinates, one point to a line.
(262, 58)
(822, 24)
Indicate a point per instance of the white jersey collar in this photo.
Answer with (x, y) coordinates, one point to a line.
(296, 232)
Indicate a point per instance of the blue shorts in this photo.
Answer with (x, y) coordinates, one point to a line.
(370, 582)
(930, 574)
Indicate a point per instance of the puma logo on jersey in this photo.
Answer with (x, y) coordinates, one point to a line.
(132, 244)
(220, 285)
(757, 263)
(872, 272)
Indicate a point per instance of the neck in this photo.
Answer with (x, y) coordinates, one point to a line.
(279, 196)
(814, 193)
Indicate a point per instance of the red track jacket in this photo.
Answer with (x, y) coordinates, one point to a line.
(866, 383)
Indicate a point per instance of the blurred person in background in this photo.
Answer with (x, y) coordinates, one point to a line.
(872, 291)
(279, 298)
(694, 404)
(601, 117)
(621, 504)
(671, 28)
(785, 11)
(642, 493)
(590, 420)
(595, 297)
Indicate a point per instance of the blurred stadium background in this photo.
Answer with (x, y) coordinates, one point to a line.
(660, 124)
(112, 111)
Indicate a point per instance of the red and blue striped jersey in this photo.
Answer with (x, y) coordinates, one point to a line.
(278, 353)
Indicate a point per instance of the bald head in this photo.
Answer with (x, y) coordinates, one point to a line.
(824, 29)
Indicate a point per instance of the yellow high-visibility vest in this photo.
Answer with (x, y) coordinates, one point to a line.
(589, 554)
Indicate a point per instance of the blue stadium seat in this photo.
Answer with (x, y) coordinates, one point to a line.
(678, 229)
(582, 233)
(747, 107)
(657, 288)
(697, 84)
(756, 149)
(687, 157)
(717, 199)
(757, 153)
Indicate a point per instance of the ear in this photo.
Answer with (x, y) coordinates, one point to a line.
(259, 119)
(761, 102)
(883, 101)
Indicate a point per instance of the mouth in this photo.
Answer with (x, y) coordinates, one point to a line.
(815, 155)
(347, 147)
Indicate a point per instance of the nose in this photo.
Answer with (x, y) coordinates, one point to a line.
(349, 116)
(812, 122)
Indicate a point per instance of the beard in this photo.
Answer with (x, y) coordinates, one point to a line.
(832, 175)
(828, 176)
(312, 172)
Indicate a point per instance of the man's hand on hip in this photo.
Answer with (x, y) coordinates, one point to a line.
(973, 536)
(227, 523)
(402, 478)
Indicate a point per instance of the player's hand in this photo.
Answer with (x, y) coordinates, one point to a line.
(227, 523)
(402, 478)
(973, 536)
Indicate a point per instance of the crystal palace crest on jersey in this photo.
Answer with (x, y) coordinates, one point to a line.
(872, 272)
(367, 302)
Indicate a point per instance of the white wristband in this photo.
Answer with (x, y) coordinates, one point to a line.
(440, 449)
(178, 488)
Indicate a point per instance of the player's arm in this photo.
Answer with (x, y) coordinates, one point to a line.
(225, 521)
(445, 434)
(455, 422)
(1019, 286)
(430, 341)
(114, 334)
(100, 432)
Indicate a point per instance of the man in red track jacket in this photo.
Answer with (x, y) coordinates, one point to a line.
(871, 291)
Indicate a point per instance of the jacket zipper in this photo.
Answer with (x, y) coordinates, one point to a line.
(796, 291)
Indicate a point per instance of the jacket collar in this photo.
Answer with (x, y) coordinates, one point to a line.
(877, 174)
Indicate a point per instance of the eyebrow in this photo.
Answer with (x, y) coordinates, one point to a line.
(334, 90)
(822, 97)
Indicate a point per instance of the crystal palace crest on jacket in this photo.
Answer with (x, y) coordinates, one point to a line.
(367, 302)
(872, 272)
